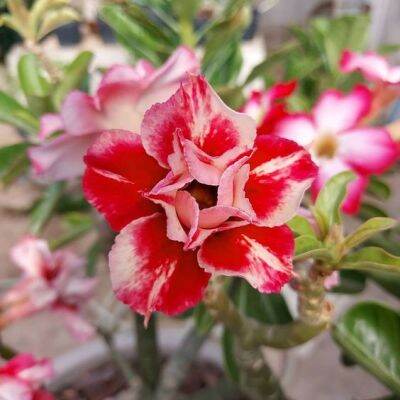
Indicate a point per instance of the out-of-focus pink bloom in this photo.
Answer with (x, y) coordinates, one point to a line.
(338, 143)
(22, 378)
(332, 280)
(267, 107)
(373, 66)
(196, 193)
(49, 281)
(123, 96)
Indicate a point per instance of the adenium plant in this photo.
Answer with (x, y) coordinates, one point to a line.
(212, 195)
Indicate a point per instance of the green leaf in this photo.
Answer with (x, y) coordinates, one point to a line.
(13, 162)
(43, 210)
(351, 282)
(301, 226)
(266, 308)
(370, 334)
(368, 211)
(368, 229)
(388, 281)
(13, 113)
(31, 77)
(309, 246)
(228, 348)
(378, 188)
(74, 76)
(371, 259)
(327, 206)
(202, 318)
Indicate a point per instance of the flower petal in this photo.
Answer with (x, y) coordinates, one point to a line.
(280, 173)
(78, 327)
(151, 273)
(14, 389)
(118, 170)
(123, 72)
(336, 112)
(368, 150)
(201, 117)
(49, 124)
(263, 256)
(297, 127)
(60, 158)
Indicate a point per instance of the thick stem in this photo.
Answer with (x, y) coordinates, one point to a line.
(147, 350)
(178, 365)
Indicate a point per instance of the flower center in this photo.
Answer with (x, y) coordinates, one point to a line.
(326, 146)
(205, 195)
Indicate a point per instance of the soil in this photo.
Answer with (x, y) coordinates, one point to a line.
(105, 381)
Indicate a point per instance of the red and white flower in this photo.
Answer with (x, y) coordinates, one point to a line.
(337, 141)
(52, 281)
(373, 66)
(123, 96)
(196, 193)
(22, 378)
(268, 107)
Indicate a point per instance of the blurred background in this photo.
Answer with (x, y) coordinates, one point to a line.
(274, 23)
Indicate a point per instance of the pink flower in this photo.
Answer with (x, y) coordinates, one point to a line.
(49, 281)
(195, 194)
(21, 378)
(267, 107)
(373, 66)
(122, 98)
(338, 143)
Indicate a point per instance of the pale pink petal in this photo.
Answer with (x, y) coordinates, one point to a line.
(280, 172)
(368, 150)
(78, 327)
(297, 127)
(263, 256)
(202, 118)
(336, 112)
(14, 389)
(151, 273)
(49, 124)
(60, 158)
(123, 72)
(332, 280)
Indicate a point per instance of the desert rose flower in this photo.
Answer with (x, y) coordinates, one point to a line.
(49, 281)
(196, 193)
(338, 143)
(22, 378)
(268, 107)
(123, 96)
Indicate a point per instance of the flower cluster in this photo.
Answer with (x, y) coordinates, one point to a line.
(49, 281)
(22, 378)
(195, 192)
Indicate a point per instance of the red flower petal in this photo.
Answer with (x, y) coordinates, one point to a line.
(260, 255)
(202, 118)
(118, 170)
(151, 273)
(280, 172)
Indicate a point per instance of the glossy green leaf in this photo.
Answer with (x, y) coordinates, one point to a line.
(74, 75)
(13, 162)
(368, 211)
(368, 229)
(228, 350)
(329, 200)
(371, 259)
(379, 188)
(350, 282)
(13, 113)
(309, 246)
(43, 210)
(301, 226)
(370, 334)
(31, 78)
(266, 308)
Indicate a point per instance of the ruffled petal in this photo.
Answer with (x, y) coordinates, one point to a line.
(118, 171)
(336, 112)
(124, 73)
(355, 189)
(151, 273)
(60, 158)
(297, 127)
(280, 172)
(202, 118)
(368, 150)
(263, 256)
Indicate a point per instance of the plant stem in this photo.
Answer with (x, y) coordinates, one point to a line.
(147, 350)
(179, 363)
